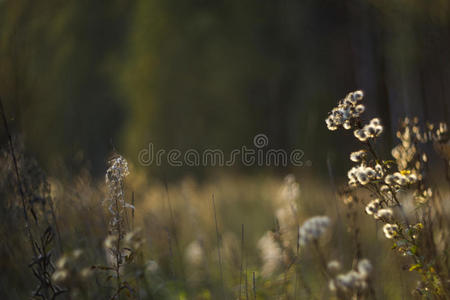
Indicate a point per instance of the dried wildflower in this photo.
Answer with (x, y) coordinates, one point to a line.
(389, 179)
(401, 178)
(286, 218)
(352, 179)
(423, 196)
(346, 112)
(312, 229)
(358, 156)
(352, 280)
(364, 268)
(441, 133)
(384, 189)
(287, 211)
(361, 135)
(114, 178)
(290, 189)
(360, 108)
(371, 173)
(373, 207)
(361, 174)
(371, 130)
(117, 251)
(411, 178)
(379, 171)
(271, 253)
(411, 168)
(357, 95)
(384, 214)
(334, 266)
(390, 230)
(375, 122)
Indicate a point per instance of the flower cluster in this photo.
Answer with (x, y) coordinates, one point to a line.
(371, 130)
(390, 230)
(363, 175)
(117, 171)
(384, 214)
(312, 229)
(422, 196)
(348, 110)
(353, 280)
(400, 178)
(410, 134)
(387, 179)
(374, 208)
(358, 156)
(410, 128)
(405, 151)
(114, 178)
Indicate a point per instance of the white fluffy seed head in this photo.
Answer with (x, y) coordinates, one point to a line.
(360, 108)
(271, 254)
(358, 95)
(384, 214)
(312, 229)
(390, 230)
(372, 207)
(334, 266)
(361, 135)
(358, 156)
(364, 268)
(389, 179)
(347, 111)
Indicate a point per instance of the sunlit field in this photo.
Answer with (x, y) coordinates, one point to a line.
(225, 150)
(383, 235)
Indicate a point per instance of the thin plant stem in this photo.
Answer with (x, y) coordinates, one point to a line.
(218, 244)
(18, 177)
(254, 286)
(242, 261)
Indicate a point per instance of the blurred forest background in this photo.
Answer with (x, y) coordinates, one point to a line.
(79, 78)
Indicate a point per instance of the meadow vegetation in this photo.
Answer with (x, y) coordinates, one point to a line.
(382, 235)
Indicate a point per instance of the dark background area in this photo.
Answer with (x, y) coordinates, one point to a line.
(80, 78)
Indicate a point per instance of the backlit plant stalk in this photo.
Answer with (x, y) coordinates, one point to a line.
(115, 176)
(387, 178)
(41, 246)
